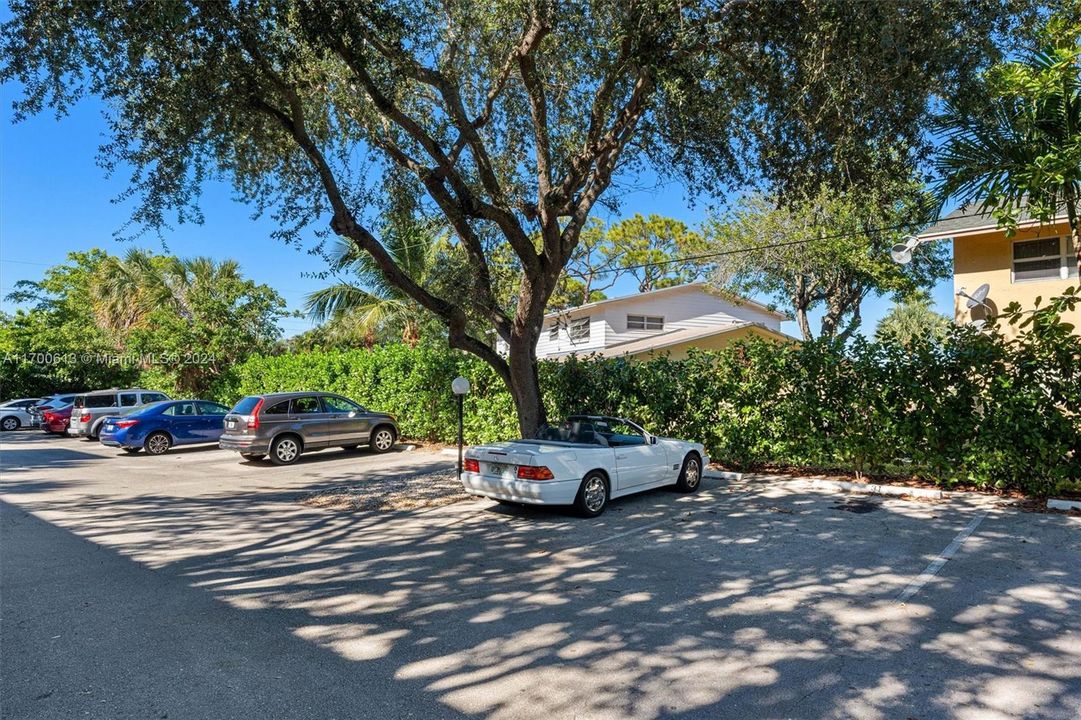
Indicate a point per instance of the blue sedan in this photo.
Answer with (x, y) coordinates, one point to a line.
(159, 426)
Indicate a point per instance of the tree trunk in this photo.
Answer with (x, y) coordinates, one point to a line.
(525, 385)
(804, 323)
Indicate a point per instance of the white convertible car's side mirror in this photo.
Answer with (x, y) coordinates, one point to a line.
(652, 439)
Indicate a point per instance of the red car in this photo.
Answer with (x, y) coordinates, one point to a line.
(56, 421)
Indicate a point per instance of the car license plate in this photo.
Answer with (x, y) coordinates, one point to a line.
(497, 468)
(230, 424)
(109, 427)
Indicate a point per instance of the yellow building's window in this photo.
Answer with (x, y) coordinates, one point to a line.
(1043, 259)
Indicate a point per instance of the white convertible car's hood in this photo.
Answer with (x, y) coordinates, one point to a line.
(525, 452)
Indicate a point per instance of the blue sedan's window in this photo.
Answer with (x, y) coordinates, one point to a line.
(185, 409)
(209, 408)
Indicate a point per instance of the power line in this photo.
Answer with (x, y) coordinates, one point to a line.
(24, 262)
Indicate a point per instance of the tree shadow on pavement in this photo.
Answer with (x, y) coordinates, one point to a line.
(759, 602)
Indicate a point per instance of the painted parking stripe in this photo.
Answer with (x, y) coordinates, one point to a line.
(932, 569)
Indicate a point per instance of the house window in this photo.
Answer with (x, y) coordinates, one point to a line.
(579, 329)
(553, 332)
(645, 322)
(1043, 259)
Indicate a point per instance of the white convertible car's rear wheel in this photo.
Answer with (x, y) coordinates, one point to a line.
(592, 495)
(690, 477)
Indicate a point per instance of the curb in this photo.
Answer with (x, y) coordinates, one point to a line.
(876, 489)
(1060, 504)
(722, 475)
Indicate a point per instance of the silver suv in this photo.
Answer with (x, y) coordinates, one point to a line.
(88, 411)
(284, 425)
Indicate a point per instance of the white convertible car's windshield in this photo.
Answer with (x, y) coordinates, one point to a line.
(603, 431)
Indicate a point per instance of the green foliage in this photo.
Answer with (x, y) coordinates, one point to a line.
(362, 306)
(973, 407)
(829, 250)
(413, 384)
(912, 321)
(101, 321)
(56, 345)
(646, 247)
(507, 120)
(1019, 152)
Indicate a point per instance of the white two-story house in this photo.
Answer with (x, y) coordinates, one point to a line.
(669, 321)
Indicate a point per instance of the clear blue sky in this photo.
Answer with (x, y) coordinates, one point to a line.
(55, 199)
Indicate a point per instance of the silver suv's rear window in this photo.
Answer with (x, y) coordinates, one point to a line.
(246, 405)
(95, 401)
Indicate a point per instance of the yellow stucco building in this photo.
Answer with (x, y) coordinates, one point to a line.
(1037, 261)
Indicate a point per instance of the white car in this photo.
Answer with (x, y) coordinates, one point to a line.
(15, 414)
(584, 461)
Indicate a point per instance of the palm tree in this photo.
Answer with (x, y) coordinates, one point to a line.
(127, 290)
(357, 309)
(912, 321)
(1023, 150)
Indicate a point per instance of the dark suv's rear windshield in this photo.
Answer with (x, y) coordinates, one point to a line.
(246, 405)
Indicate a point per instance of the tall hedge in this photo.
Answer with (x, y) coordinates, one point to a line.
(976, 408)
(413, 384)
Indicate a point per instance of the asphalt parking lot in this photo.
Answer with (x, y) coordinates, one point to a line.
(193, 586)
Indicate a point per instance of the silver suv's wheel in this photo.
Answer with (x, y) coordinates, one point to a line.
(157, 443)
(592, 496)
(285, 450)
(10, 423)
(382, 439)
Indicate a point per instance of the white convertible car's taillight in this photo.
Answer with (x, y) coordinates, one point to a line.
(528, 472)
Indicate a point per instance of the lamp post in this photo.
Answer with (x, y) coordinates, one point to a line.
(460, 387)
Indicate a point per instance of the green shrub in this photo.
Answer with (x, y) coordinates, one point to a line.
(972, 408)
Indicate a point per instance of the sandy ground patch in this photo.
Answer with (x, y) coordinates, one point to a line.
(401, 492)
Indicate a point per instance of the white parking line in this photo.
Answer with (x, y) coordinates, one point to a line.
(932, 569)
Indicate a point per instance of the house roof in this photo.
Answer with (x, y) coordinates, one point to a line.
(675, 289)
(671, 338)
(969, 219)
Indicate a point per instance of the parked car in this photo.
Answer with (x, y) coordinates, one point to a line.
(284, 425)
(56, 420)
(585, 462)
(52, 402)
(159, 426)
(91, 408)
(15, 414)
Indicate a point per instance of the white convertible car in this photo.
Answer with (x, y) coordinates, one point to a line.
(584, 461)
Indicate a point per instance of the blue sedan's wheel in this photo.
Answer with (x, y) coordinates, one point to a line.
(690, 477)
(592, 496)
(157, 443)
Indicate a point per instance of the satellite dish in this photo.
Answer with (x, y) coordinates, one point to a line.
(902, 252)
(978, 296)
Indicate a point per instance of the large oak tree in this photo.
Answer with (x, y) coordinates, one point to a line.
(508, 119)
